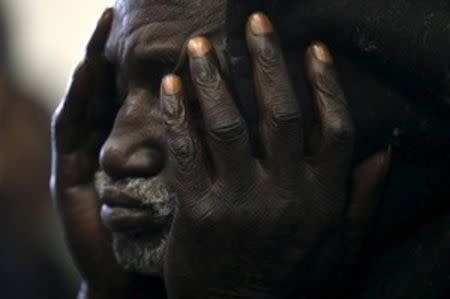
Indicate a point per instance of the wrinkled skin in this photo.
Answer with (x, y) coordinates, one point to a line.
(382, 109)
(396, 91)
(268, 227)
(394, 55)
(80, 126)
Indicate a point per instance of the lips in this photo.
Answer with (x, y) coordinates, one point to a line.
(123, 213)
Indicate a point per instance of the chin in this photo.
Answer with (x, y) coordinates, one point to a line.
(139, 253)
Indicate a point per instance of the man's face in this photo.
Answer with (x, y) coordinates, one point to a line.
(146, 42)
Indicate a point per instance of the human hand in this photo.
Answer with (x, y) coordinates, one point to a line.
(259, 228)
(80, 126)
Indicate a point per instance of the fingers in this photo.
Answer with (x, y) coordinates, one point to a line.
(227, 134)
(185, 151)
(281, 122)
(368, 178)
(336, 126)
(79, 89)
(71, 113)
(96, 45)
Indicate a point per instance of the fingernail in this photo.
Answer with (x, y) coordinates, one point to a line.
(260, 24)
(321, 52)
(172, 103)
(172, 84)
(199, 46)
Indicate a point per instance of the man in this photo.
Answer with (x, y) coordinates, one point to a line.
(140, 154)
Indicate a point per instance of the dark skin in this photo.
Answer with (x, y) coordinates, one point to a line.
(394, 79)
(85, 118)
(393, 60)
(275, 222)
(74, 191)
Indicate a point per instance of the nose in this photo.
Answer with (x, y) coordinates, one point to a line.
(134, 147)
(120, 160)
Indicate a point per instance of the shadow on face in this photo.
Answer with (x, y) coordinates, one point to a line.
(389, 101)
(146, 42)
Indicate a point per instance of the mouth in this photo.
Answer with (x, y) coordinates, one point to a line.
(123, 213)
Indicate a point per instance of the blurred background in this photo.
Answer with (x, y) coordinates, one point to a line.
(41, 41)
(47, 40)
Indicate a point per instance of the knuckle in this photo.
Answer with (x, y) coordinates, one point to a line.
(208, 76)
(183, 150)
(327, 83)
(286, 113)
(341, 130)
(268, 58)
(226, 129)
(173, 109)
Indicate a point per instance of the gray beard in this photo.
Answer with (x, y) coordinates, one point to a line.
(141, 255)
(144, 251)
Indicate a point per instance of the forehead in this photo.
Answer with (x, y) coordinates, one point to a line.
(161, 28)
